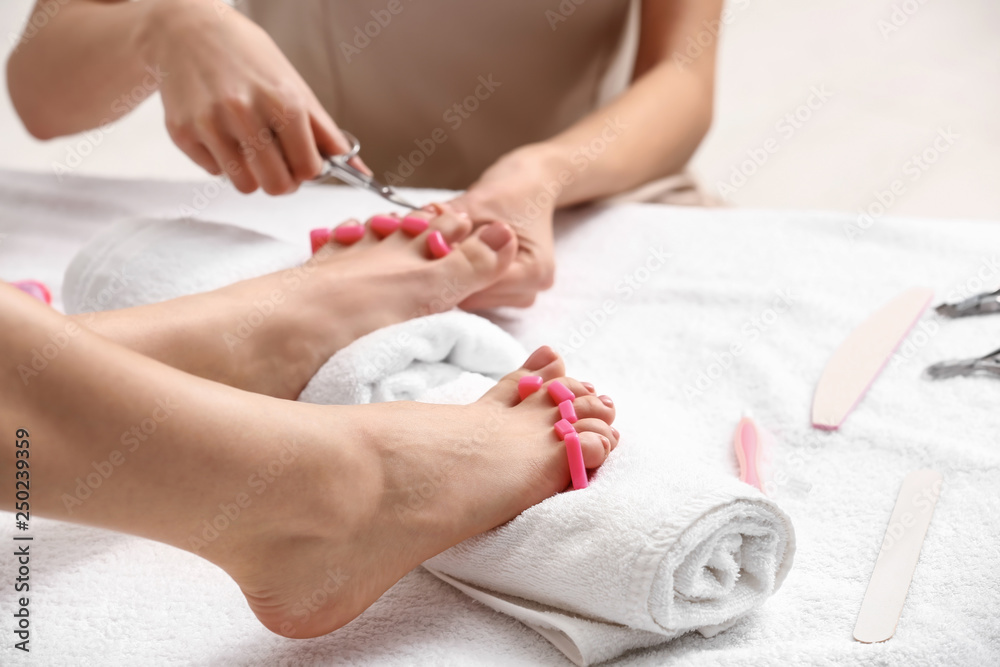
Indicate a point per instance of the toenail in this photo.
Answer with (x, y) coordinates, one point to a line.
(497, 235)
(577, 469)
(384, 224)
(437, 245)
(607, 401)
(567, 411)
(348, 234)
(413, 225)
(319, 238)
(615, 433)
(607, 445)
(559, 392)
(528, 385)
(563, 427)
(436, 209)
(589, 387)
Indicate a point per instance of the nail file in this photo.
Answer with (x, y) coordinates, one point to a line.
(897, 559)
(859, 359)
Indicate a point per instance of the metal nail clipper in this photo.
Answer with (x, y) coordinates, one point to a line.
(980, 304)
(960, 367)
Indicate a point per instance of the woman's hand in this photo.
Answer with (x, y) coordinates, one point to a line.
(233, 102)
(518, 190)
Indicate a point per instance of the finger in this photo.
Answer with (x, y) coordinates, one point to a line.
(300, 149)
(194, 149)
(223, 149)
(329, 138)
(260, 149)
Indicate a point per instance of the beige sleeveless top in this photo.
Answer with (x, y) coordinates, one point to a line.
(436, 90)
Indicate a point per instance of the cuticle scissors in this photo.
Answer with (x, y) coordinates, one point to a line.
(337, 165)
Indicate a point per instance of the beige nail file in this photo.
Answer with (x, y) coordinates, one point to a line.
(897, 559)
(859, 359)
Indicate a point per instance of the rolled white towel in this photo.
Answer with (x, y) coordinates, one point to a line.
(659, 545)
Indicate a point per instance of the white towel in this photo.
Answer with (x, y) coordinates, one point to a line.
(658, 546)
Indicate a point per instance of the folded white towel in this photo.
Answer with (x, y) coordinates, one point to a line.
(658, 546)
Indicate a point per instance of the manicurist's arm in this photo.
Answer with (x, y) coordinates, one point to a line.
(233, 103)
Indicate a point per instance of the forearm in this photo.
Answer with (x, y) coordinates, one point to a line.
(85, 67)
(649, 132)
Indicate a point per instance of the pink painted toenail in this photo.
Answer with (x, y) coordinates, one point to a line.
(384, 224)
(41, 292)
(567, 411)
(563, 427)
(437, 245)
(559, 392)
(348, 234)
(528, 385)
(319, 238)
(413, 225)
(577, 470)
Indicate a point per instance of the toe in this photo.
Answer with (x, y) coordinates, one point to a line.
(593, 407)
(543, 362)
(481, 259)
(596, 448)
(599, 427)
(453, 226)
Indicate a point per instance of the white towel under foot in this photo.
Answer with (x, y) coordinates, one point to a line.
(659, 545)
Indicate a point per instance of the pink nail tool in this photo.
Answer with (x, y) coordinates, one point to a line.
(413, 225)
(747, 443)
(437, 245)
(528, 385)
(349, 234)
(559, 392)
(577, 470)
(384, 224)
(319, 238)
(567, 411)
(563, 427)
(38, 290)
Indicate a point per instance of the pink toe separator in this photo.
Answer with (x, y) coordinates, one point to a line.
(319, 238)
(559, 392)
(348, 234)
(41, 292)
(563, 427)
(413, 225)
(577, 470)
(437, 245)
(528, 385)
(384, 224)
(567, 411)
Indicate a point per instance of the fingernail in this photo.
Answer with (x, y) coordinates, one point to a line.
(349, 233)
(437, 245)
(319, 238)
(589, 387)
(413, 225)
(384, 224)
(496, 235)
(607, 401)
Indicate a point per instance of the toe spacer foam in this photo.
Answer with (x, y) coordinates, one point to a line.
(567, 411)
(559, 392)
(528, 385)
(348, 234)
(437, 245)
(413, 225)
(574, 452)
(319, 238)
(563, 427)
(384, 224)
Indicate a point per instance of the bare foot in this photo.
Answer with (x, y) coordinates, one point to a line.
(422, 479)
